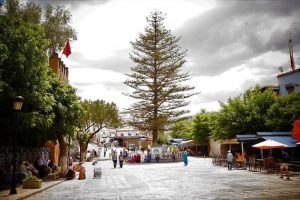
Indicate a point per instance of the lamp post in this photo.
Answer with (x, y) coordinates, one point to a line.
(17, 106)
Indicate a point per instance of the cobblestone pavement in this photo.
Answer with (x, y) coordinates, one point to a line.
(199, 180)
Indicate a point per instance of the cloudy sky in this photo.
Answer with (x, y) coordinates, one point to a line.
(232, 45)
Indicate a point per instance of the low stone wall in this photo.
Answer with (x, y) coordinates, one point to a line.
(31, 154)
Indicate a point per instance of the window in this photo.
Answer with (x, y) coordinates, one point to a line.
(290, 88)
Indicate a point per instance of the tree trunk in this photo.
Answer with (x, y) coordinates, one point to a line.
(82, 150)
(63, 160)
(154, 136)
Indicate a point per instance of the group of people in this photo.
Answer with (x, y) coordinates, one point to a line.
(115, 158)
(28, 169)
(142, 157)
(39, 168)
(73, 168)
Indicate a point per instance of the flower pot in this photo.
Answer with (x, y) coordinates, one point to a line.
(32, 184)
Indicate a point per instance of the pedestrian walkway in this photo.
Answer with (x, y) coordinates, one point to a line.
(198, 180)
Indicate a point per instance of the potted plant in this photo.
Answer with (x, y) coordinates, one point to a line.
(32, 182)
(241, 160)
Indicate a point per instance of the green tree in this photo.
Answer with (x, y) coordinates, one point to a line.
(245, 114)
(182, 129)
(96, 116)
(23, 72)
(283, 112)
(67, 111)
(162, 138)
(57, 26)
(55, 21)
(157, 78)
(202, 126)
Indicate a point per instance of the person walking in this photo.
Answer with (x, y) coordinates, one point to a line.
(185, 157)
(157, 156)
(114, 158)
(229, 160)
(148, 157)
(284, 165)
(121, 159)
(104, 153)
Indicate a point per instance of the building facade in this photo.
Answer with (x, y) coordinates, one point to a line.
(60, 69)
(289, 82)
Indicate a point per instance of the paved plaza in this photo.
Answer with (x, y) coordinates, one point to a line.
(199, 180)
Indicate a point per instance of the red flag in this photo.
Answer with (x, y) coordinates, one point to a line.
(67, 49)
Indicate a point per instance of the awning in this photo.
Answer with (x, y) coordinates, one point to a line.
(230, 141)
(246, 138)
(187, 141)
(183, 142)
(273, 134)
(289, 141)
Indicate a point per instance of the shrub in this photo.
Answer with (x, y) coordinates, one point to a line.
(31, 178)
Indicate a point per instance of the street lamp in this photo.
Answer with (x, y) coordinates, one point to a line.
(17, 106)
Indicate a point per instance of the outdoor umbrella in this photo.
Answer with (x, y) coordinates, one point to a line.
(269, 144)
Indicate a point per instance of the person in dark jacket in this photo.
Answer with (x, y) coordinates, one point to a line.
(121, 159)
(114, 158)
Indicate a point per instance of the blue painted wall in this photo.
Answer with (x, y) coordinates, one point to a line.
(288, 78)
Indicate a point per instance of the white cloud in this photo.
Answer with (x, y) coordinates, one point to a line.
(232, 45)
(110, 27)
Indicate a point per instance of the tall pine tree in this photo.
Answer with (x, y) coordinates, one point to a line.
(156, 78)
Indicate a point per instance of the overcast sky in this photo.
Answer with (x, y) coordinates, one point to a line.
(232, 45)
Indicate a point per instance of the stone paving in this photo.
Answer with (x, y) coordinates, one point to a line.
(199, 180)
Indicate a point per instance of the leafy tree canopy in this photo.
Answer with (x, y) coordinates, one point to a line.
(202, 126)
(97, 115)
(23, 72)
(181, 129)
(55, 21)
(283, 112)
(67, 108)
(245, 114)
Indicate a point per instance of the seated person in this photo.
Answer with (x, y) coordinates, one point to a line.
(32, 169)
(42, 167)
(52, 165)
(24, 169)
(71, 173)
(71, 160)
